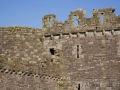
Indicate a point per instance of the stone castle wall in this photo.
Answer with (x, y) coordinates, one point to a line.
(62, 56)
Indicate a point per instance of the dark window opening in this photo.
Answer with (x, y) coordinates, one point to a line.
(50, 22)
(75, 21)
(78, 86)
(77, 51)
(96, 28)
(52, 51)
(102, 18)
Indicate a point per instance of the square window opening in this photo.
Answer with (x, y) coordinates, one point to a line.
(52, 51)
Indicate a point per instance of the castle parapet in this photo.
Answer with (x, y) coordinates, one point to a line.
(101, 19)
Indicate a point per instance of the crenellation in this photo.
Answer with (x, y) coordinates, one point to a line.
(101, 19)
(48, 20)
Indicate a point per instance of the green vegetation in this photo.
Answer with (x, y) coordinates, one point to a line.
(14, 29)
(27, 30)
(1, 61)
(61, 84)
(41, 38)
(102, 46)
(0, 64)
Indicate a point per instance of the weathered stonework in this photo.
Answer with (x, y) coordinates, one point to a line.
(61, 56)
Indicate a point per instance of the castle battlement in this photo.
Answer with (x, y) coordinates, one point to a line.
(101, 19)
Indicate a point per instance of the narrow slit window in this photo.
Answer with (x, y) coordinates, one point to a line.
(52, 51)
(50, 22)
(96, 28)
(77, 51)
(102, 18)
(78, 86)
(75, 21)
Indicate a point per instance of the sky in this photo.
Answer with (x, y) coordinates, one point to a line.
(30, 12)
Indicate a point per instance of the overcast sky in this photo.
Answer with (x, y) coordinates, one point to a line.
(30, 12)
